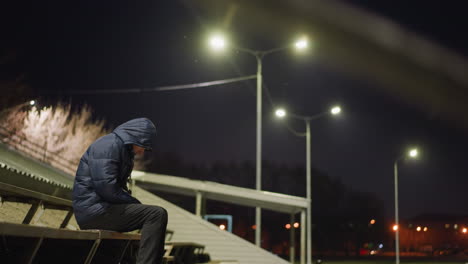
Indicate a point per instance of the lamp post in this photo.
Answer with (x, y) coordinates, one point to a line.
(413, 153)
(218, 43)
(281, 113)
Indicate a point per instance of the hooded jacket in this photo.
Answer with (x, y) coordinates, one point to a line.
(101, 177)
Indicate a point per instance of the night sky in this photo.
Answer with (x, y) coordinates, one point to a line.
(91, 45)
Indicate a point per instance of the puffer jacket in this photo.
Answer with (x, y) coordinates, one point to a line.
(101, 177)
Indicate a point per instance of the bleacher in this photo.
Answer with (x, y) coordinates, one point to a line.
(26, 242)
(36, 179)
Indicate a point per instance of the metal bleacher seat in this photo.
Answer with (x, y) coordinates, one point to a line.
(27, 240)
(28, 243)
(23, 241)
(39, 202)
(29, 181)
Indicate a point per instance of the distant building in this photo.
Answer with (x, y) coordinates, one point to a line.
(435, 234)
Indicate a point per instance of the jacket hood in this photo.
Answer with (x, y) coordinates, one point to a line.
(139, 131)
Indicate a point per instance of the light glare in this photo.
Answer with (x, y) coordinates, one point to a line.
(32, 102)
(395, 227)
(413, 153)
(217, 42)
(296, 225)
(336, 110)
(222, 227)
(301, 44)
(280, 113)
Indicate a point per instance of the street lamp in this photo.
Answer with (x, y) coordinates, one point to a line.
(217, 42)
(412, 153)
(335, 110)
(301, 44)
(30, 103)
(281, 113)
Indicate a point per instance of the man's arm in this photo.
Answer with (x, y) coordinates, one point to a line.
(104, 168)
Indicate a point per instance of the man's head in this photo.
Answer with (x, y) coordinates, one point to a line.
(139, 151)
(139, 132)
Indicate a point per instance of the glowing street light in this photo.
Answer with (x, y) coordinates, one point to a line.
(372, 221)
(31, 103)
(287, 226)
(464, 230)
(301, 44)
(335, 110)
(418, 228)
(395, 227)
(222, 227)
(218, 43)
(281, 113)
(425, 229)
(412, 153)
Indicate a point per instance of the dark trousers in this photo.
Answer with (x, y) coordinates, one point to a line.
(152, 220)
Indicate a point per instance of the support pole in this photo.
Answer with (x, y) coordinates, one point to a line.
(258, 210)
(303, 236)
(67, 218)
(93, 250)
(37, 245)
(397, 232)
(33, 212)
(292, 240)
(309, 195)
(198, 204)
